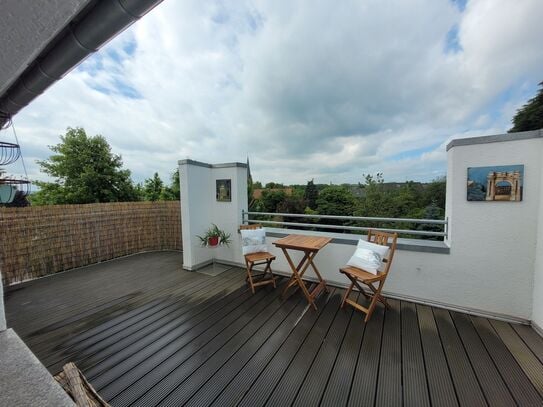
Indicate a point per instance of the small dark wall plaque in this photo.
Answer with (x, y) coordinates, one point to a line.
(224, 190)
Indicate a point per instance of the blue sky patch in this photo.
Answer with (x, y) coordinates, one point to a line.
(461, 4)
(452, 42)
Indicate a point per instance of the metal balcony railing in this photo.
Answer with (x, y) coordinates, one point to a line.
(260, 217)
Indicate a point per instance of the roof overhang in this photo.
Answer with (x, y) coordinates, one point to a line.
(41, 42)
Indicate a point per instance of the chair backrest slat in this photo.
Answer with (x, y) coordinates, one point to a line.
(382, 238)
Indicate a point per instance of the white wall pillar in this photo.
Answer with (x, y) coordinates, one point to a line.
(493, 244)
(537, 306)
(200, 208)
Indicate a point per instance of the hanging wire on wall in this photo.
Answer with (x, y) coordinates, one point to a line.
(20, 153)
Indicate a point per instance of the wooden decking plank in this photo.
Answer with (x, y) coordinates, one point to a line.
(520, 386)
(389, 381)
(439, 379)
(415, 385)
(494, 388)
(266, 383)
(529, 363)
(316, 379)
(168, 336)
(146, 330)
(465, 381)
(161, 347)
(123, 321)
(171, 327)
(286, 390)
(49, 328)
(336, 392)
(70, 293)
(280, 344)
(160, 336)
(249, 338)
(121, 326)
(210, 390)
(151, 373)
(364, 383)
(530, 338)
(91, 316)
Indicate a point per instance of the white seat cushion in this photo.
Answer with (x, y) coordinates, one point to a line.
(253, 241)
(368, 256)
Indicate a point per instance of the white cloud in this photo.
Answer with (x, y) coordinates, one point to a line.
(318, 90)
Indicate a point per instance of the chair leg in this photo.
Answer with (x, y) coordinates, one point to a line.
(379, 296)
(250, 275)
(268, 269)
(348, 292)
(375, 298)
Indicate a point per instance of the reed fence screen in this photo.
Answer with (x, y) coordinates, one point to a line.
(42, 240)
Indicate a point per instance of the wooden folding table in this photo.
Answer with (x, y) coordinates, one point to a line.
(310, 245)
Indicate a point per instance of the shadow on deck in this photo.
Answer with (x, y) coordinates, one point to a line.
(147, 333)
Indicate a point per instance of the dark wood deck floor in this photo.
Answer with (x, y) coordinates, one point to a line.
(147, 333)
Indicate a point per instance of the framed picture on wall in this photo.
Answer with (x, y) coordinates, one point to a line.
(224, 190)
(496, 183)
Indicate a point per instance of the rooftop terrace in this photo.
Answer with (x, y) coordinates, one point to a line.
(145, 332)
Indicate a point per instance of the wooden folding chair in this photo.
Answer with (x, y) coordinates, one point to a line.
(358, 275)
(258, 259)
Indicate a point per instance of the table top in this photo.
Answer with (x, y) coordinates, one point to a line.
(303, 242)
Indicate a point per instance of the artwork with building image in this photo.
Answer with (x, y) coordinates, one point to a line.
(496, 183)
(224, 187)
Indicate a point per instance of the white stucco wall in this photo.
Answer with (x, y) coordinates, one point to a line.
(199, 209)
(493, 244)
(537, 307)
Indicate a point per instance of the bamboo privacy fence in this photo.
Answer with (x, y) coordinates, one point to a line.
(42, 240)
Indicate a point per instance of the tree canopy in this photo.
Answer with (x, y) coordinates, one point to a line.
(370, 198)
(85, 171)
(530, 116)
(152, 188)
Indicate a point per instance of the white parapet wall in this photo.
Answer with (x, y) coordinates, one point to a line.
(537, 308)
(491, 262)
(200, 209)
(493, 244)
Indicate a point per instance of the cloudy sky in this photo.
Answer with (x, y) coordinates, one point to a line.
(308, 89)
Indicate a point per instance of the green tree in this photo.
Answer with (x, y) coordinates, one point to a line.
(271, 199)
(336, 200)
(153, 188)
(435, 192)
(311, 194)
(172, 192)
(376, 200)
(85, 171)
(530, 116)
(272, 185)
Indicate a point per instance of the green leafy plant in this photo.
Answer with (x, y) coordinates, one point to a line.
(215, 236)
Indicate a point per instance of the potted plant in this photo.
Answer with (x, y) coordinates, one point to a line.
(214, 237)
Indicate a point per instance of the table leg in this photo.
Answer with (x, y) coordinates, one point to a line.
(292, 280)
(321, 280)
(297, 277)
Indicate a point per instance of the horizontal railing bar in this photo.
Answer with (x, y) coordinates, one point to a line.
(362, 218)
(361, 228)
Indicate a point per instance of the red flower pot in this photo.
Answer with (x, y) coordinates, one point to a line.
(213, 241)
